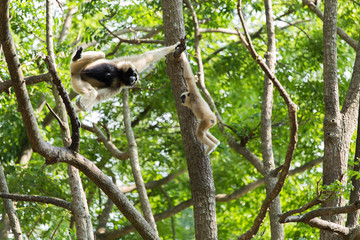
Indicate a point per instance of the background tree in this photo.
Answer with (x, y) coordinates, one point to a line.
(254, 127)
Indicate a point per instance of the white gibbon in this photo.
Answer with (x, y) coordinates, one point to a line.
(98, 79)
(193, 100)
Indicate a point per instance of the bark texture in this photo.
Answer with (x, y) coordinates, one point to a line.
(9, 208)
(199, 166)
(277, 230)
(134, 162)
(335, 145)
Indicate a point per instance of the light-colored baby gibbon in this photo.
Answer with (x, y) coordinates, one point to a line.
(98, 79)
(193, 100)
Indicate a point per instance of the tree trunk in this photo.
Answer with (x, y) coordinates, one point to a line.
(353, 218)
(335, 149)
(135, 165)
(9, 208)
(4, 225)
(277, 230)
(199, 166)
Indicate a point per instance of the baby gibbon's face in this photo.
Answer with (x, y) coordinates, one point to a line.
(185, 99)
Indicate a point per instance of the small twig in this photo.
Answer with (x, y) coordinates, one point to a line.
(57, 227)
(33, 228)
(61, 123)
(108, 134)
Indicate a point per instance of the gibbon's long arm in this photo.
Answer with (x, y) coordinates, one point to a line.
(189, 75)
(141, 62)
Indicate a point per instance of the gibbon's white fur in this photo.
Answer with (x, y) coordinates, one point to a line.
(193, 100)
(98, 79)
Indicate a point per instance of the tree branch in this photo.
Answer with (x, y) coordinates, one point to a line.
(40, 199)
(340, 32)
(46, 77)
(154, 184)
(75, 123)
(292, 109)
(109, 145)
(135, 164)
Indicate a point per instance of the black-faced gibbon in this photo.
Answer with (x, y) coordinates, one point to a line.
(98, 79)
(193, 100)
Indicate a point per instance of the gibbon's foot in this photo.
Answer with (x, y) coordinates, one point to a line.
(78, 122)
(80, 105)
(77, 55)
(210, 150)
(180, 48)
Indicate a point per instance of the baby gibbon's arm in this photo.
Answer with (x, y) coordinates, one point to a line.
(189, 75)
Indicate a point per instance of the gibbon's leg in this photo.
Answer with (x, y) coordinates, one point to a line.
(80, 60)
(88, 93)
(142, 61)
(201, 133)
(212, 138)
(106, 93)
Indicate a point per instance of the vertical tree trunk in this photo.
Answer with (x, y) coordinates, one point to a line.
(353, 218)
(199, 166)
(9, 208)
(335, 149)
(277, 230)
(4, 225)
(135, 165)
(80, 208)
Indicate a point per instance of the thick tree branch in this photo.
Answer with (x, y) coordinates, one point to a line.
(250, 156)
(40, 199)
(75, 123)
(158, 217)
(46, 77)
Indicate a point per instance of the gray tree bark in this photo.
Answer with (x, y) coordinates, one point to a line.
(199, 165)
(134, 162)
(80, 210)
(335, 142)
(4, 226)
(277, 230)
(353, 218)
(9, 208)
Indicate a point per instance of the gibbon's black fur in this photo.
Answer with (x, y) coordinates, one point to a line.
(98, 79)
(193, 100)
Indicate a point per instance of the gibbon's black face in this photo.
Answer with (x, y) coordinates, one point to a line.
(129, 77)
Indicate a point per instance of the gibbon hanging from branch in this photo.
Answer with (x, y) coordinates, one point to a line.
(193, 100)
